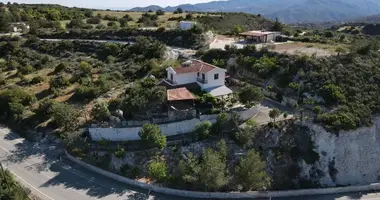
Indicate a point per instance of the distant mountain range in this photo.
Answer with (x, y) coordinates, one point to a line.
(288, 11)
(368, 19)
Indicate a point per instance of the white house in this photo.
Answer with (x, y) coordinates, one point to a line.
(186, 25)
(209, 77)
(260, 36)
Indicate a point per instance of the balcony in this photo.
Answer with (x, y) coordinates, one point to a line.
(202, 81)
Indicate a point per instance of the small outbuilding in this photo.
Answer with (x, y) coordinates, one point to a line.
(180, 99)
(260, 36)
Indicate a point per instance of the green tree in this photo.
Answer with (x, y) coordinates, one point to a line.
(158, 170)
(16, 110)
(274, 113)
(100, 111)
(188, 170)
(203, 130)
(179, 11)
(212, 175)
(123, 22)
(238, 29)
(277, 26)
(250, 96)
(245, 135)
(332, 94)
(250, 172)
(65, 116)
(222, 123)
(160, 12)
(152, 134)
(223, 150)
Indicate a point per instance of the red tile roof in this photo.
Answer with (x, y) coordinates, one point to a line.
(194, 66)
(179, 94)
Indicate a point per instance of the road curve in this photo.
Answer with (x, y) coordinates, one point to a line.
(50, 178)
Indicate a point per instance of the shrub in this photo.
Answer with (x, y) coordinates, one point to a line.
(100, 111)
(65, 116)
(203, 130)
(26, 69)
(94, 20)
(59, 82)
(120, 152)
(60, 67)
(37, 79)
(158, 170)
(152, 134)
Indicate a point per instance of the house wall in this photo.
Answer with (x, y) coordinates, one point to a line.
(211, 82)
(272, 36)
(181, 79)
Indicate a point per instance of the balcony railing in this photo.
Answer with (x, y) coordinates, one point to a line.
(203, 81)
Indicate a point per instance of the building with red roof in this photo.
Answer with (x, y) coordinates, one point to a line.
(207, 76)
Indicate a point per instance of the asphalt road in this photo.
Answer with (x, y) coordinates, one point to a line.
(52, 179)
(39, 168)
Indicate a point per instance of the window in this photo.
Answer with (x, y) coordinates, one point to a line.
(171, 77)
(203, 77)
(198, 74)
(216, 76)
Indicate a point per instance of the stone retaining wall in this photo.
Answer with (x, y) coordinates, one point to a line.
(214, 195)
(169, 129)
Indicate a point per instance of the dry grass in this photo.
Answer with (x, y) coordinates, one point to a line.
(308, 48)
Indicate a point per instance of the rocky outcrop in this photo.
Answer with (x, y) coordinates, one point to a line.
(305, 155)
(347, 158)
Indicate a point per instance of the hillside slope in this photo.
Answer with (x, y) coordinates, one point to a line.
(288, 11)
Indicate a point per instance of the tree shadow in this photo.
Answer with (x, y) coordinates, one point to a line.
(43, 94)
(71, 175)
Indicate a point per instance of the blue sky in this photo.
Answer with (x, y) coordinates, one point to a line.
(112, 3)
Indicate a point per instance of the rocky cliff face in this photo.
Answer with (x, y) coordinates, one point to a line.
(347, 158)
(305, 155)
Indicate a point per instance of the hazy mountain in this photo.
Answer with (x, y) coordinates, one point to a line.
(289, 11)
(368, 19)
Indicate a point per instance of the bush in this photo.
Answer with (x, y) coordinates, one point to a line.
(203, 130)
(94, 20)
(87, 92)
(160, 12)
(60, 67)
(100, 111)
(85, 68)
(65, 116)
(59, 82)
(37, 79)
(158, 170)
(120, 152)
(152, 134)
(26, 69)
